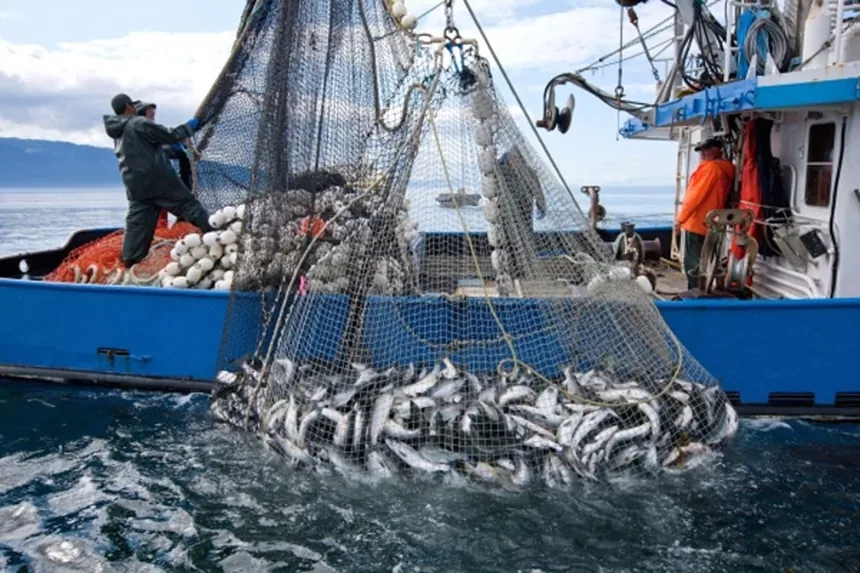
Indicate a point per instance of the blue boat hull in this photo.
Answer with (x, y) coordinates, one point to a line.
(771, 356)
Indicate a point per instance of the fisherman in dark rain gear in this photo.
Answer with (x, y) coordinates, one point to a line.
(176, 151)
(151, 183)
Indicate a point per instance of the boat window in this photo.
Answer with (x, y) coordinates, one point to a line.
(819, 163)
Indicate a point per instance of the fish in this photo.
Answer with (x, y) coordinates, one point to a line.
(482, 471)
(447, 388)
(341, 434)
(547, 399)
(530, 426)
(413, 459)
(450, 371)
(422, 386)
(564, 433)
(599, 440)
(502, 428)
(625, 435)
(522, 475)
(291, 421)
(358, 427)
(515, 393)
(378, 465)
(381, 409)
(395, 430)
(306, 422)
(542, 443)
(588, 424)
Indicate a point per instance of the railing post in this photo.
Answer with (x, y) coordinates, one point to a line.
(837, 32)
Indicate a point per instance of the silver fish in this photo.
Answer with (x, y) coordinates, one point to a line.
(653, 418)
(515, 393)
(539, 416)
(570, 382)
(523, 473)
(423, 402)
(450, 371)
(291, 421)
(547, 400)
(683, 420)
(358, 429)
(564, 434)
(318, 394)
(441, 455)
(475, 386)
(274, 414)
(561, 470)
(447, 388)
(423, 385)
(367, 375)
(581, 408)
(283, 369)
(292, 451)
(341, 433)
(341, 399)
(483, 471)
(627, 456)
(532, 427)
(625, 395)
(639, 431)
(488, 395)
(413, 459)
(599, 440)
(378, 465)
(398, 432)
(340, 463)
(542, 443)
(381, 409)
(306, 422)
(588, 424)
(506, 464)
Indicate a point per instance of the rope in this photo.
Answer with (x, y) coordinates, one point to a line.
(776, 39)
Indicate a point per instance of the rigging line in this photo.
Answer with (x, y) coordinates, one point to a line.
(647, 34)
(522, 107)
(662, 45)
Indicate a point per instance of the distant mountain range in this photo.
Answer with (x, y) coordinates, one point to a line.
(38, 163)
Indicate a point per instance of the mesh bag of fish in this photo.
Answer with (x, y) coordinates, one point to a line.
(492, 340)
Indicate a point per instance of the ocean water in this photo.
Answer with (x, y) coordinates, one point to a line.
(33, 219)
(101, 480)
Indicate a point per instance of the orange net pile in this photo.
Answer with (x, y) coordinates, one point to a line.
(100, 261)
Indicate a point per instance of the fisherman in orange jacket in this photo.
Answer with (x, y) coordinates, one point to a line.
(708, 190)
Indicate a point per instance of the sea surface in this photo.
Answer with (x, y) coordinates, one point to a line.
(101, 480)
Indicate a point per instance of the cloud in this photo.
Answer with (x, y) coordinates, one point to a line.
(65, 91)
(61, 93)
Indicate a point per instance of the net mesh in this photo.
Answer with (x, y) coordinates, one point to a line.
(433, 300)
(100, 261)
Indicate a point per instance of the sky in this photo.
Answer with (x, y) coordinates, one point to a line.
(62, 61)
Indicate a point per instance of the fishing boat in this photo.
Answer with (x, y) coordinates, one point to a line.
(774, 326)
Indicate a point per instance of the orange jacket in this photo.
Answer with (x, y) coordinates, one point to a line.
(708, 190)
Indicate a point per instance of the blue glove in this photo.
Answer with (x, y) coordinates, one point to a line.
(541, 214)
(193, 123)
(178, 148)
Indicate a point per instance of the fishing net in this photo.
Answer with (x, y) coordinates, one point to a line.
(100, 261)
(495, 340)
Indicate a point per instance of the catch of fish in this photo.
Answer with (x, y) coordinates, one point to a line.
(511, 429)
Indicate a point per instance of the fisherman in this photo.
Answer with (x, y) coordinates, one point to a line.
(708, 190)
(151, 183)
(521, 192)
(176, 151)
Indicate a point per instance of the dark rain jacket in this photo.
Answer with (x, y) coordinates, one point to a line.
(144, 166)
